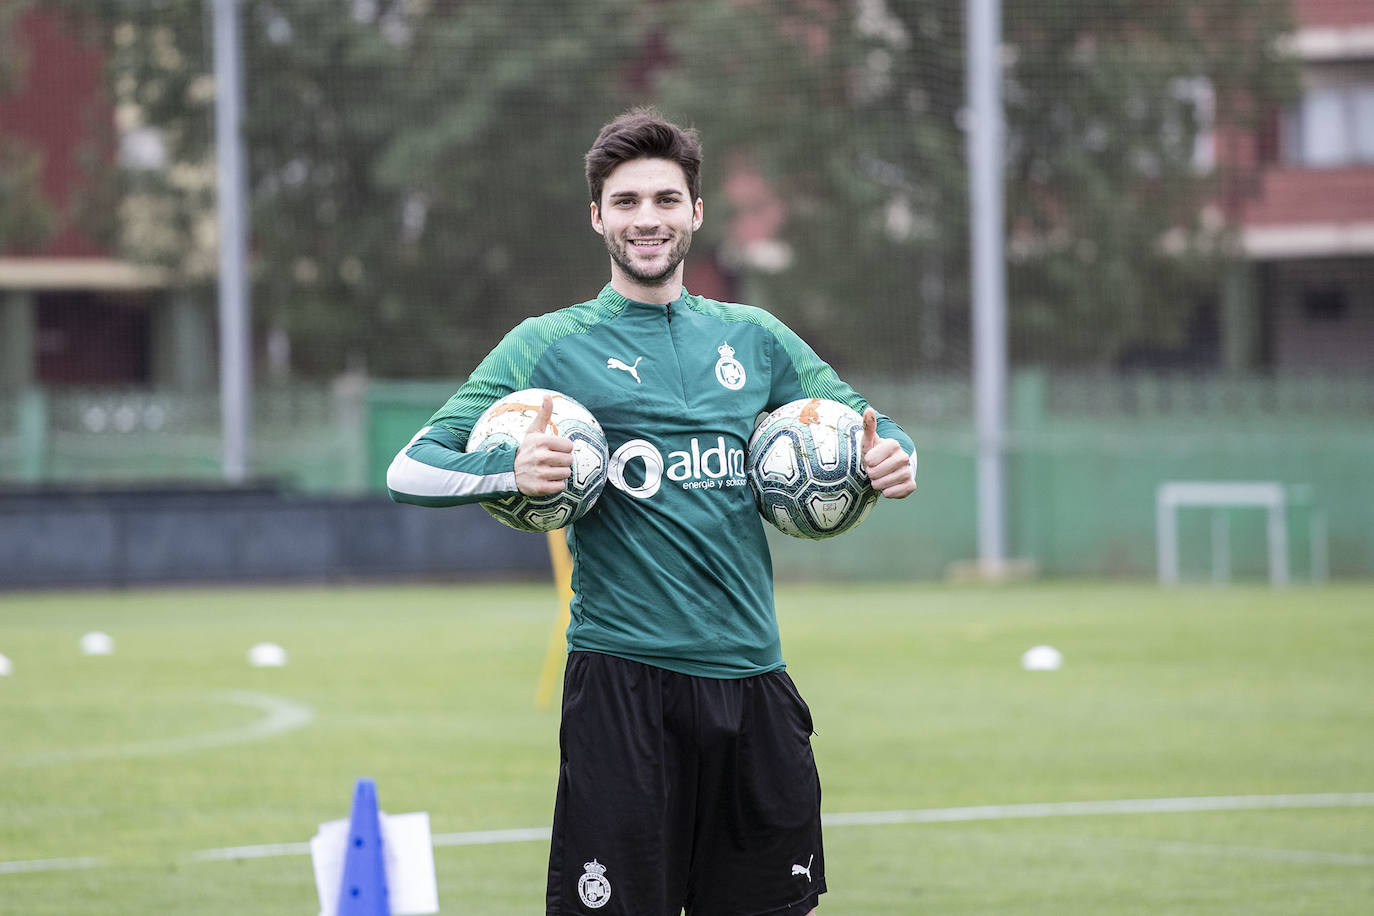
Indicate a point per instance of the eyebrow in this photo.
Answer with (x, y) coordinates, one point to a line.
(618, 195)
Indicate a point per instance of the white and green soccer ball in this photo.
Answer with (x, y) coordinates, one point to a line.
(805, 467)
(504, 424)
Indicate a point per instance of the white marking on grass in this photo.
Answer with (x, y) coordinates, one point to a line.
(1091, 808)
(489, 837)
(265, 851)
(281, 716)
(875, 818)
(473, 838)
(30, 865)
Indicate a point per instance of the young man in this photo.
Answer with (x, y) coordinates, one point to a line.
(687, 778)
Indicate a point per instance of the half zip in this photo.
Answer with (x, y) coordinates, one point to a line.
(677, 356)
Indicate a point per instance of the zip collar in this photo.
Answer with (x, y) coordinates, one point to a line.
(618, 303)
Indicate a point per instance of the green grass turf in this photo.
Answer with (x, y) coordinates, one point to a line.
(919, 701)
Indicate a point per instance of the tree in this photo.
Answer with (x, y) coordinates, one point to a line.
(1107, 102)
(853, 112)
(851, 119)
(415, 168)
(415, 165)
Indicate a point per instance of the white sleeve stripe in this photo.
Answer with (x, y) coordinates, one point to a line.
(406, 475)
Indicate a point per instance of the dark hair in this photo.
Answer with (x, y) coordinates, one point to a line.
(643, 133)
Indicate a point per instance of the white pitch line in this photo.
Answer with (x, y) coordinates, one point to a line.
(488, 837)
(872, 818)
(281, 715)
(1089, 808)
(30, 865)
(473, 838)
(264, 851)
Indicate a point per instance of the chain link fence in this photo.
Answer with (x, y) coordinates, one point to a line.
(415, 186)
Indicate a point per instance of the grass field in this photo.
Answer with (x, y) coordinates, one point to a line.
(123, 777)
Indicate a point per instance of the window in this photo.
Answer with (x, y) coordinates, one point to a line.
(1332, 126)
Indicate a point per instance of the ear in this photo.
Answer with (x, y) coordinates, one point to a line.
(596, 220)
(697, 215)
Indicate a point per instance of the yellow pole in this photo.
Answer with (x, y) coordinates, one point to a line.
(557, 652)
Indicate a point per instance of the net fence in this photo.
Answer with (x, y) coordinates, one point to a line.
(416, 189)
(416, 183)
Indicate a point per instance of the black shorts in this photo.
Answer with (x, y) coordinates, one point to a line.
(683, 792)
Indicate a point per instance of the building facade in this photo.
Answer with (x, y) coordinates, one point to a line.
(1307, 230)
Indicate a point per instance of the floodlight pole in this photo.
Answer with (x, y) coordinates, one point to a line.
(986, 132)
(235, 355)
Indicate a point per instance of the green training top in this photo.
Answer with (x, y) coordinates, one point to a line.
(671, 566)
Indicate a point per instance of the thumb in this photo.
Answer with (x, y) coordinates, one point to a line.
(870, 428)
(541, 419)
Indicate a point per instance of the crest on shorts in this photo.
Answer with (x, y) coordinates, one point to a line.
(593, 887)
(729, 371)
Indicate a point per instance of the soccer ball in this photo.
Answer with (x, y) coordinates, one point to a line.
(504, 424)
(805, 466)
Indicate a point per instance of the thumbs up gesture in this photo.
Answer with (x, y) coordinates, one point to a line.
(889, 466)
(543, 462)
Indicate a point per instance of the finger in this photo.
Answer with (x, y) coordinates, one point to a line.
(877, 453)
(541, 419)
(898, 490)
(893, 475)
(870, 428)
(542, 487)
(543, 447)
(558, 453)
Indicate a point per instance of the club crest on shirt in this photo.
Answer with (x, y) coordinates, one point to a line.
(729, 372)
(593, 887)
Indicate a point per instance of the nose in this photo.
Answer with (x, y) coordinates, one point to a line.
(646, 216)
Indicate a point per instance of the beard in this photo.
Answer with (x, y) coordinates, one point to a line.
(621, 256)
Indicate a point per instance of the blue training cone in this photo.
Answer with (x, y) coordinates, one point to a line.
(364, 892)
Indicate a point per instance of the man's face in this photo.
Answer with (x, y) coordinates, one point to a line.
(647, 217)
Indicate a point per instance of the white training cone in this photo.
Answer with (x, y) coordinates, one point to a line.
(6, 666)
(1042, 658)
(267, 655)
(97, 643)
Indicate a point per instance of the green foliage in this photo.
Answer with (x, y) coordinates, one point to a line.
(417, 187)
(851, 117)
(855, 116)
(1105, 105)
(415, 168)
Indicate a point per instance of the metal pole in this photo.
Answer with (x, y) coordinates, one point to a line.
(1166, 536)
(1278, 541)
(988, 268)
(1221, 547)
(236, 365)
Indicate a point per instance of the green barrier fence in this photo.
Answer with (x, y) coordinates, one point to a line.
(1085, 456)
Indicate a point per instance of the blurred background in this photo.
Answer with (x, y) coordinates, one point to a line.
(1188, 236)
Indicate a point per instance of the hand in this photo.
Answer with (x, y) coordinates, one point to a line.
(543, 462)
(887, 463)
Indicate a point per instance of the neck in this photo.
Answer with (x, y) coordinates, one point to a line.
(657, 294)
